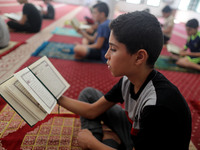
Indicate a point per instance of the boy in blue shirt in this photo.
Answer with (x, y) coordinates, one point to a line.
(191, 59)
(156, 115)
(97, 50)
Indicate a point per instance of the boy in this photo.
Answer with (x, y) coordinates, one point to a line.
(156, 115)
(50, 12)
(31, 20)
(168, 24)
(192, 58)
(97, 50)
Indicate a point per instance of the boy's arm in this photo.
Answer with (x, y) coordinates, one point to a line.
(186, 53)
(168, 30)
(90, 38)
(84, 109)
(98, 44)
(23, 19)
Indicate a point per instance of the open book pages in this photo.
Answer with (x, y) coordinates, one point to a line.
(77, 25)
(173, 49)
(21, 101)
(13, 16)
(33, 91)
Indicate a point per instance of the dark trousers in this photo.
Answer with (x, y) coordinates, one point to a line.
(115, 118)
(166, 39)
(22, 28)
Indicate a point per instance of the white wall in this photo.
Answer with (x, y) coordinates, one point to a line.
(121, 5)
(181, 16)
(90, 3)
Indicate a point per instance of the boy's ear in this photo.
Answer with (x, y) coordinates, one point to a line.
(141, 56)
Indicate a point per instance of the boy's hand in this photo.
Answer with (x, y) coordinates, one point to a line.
(184, 53)
(80, 31)
(84, 138)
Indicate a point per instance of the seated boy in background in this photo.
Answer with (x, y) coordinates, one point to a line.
(156, 115)
(4, 34)
(31, 20)
(191, 59)
(48, 13)
(168, 25)
(97, 50)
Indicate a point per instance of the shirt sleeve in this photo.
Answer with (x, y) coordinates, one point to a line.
(115, 94)
(103, 30)
(26, 9)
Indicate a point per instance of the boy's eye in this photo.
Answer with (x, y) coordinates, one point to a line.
(114, 50)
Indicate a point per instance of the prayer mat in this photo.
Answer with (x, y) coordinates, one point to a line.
(66, 31)
(12, 46)
(55, 50)
(167, 63)
(59, 51)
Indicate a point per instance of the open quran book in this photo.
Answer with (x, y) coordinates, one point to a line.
(13, 16)
(173, 49)
(33, 92)
(77, 25)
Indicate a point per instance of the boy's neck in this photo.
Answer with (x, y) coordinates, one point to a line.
(103, 20)
(139, 79)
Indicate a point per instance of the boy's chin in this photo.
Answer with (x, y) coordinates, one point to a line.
(115, 75)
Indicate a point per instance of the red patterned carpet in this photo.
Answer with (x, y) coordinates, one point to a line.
(81, 75)
(59, 131)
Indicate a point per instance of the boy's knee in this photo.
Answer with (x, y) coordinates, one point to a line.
(83, 96)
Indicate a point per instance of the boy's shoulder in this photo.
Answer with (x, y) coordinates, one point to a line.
(105, 23)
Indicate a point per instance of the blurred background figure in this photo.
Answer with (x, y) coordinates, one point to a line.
(30, 21)
(49, 11)
(168, 25)
(4, 34)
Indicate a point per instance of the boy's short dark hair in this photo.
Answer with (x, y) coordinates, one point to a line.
(192, 23)
(167, 9)
(139, 30)
(102, 7)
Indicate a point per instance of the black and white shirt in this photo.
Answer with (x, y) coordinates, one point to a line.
(159, 114)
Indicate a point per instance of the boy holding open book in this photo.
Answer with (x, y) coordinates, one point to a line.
(97, 50)
(156, 115)
(191, 59)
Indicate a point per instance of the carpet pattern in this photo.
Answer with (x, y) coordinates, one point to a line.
(56, 131)
(65, 39)
(11, 47)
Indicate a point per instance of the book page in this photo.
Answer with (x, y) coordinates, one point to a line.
(85, 26)
(15, 89)
(36, 89)
(49, 76)
(26, 115)
(13, 16)
(173, 49)
(75, 23)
